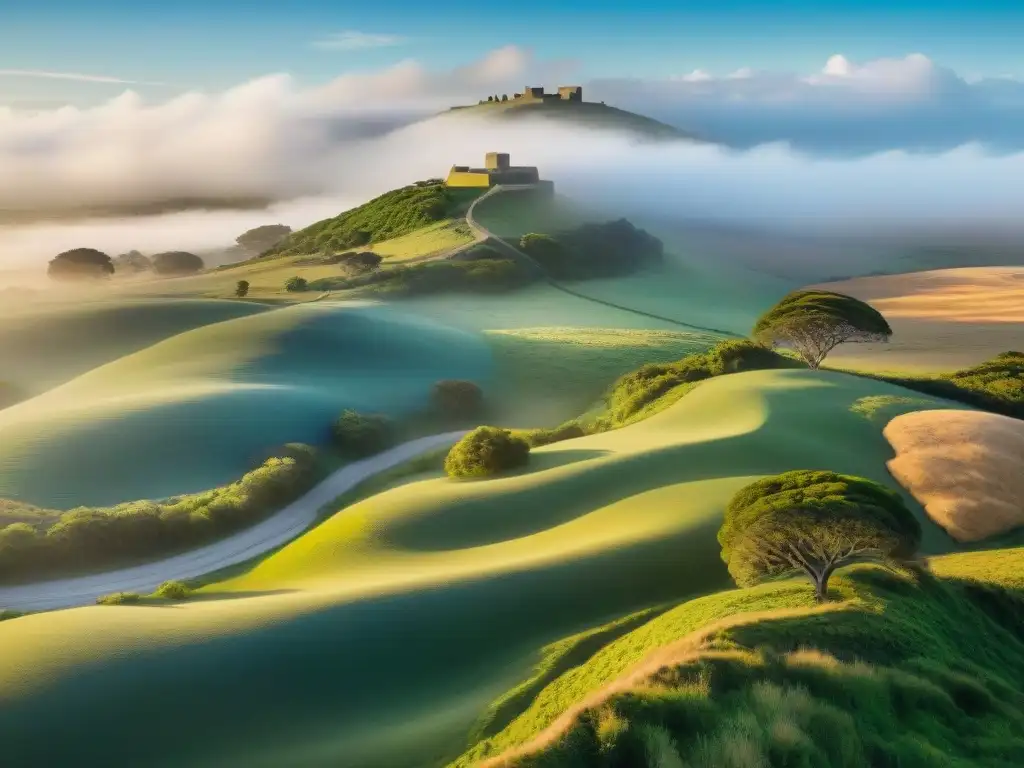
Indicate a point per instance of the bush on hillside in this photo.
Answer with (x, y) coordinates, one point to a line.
(242, 289)
(567, 431)
(103, 537)
(635, 391)
(80, 264)
(486, 451)
(485, 276)
(119, 598)
(173, 590)
(594, 250)
(296, 284)
(390, 215)
(457, 400)
(996, 385)
(176, 263)
(358, 262)
(358, 435)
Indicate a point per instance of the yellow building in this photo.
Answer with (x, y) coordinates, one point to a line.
(496, 170)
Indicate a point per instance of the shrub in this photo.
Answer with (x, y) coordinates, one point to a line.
(132, 262)
(242, 289)
(486, 451)
(176, 263)
(87, 538)
(8, 614)
(358, 263)
(358, 435)
(567, 431)
(295, 284)
(173, 590)
(80, 264)
(634, 391)
(119, 598)
(457, 400)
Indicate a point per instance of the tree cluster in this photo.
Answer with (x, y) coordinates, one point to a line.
(610, 249)
(104, 537)
(80, 264)
(260, 239)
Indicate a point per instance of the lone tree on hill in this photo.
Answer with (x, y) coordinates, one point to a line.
(263, 238)
(80, 264)
(504, 97)
(242, 289)
(814, 522)
(358, 435)
(295, 284)
(815, 322)
(176, 263)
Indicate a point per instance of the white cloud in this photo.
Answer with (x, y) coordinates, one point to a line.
(353, 40)
(697, 76)
(75, 76)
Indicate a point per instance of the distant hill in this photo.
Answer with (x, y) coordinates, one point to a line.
(589, 114)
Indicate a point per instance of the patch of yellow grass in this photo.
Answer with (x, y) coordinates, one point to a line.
(965, 467)
(942, 319)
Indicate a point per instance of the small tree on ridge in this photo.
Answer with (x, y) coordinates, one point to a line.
(815, 322)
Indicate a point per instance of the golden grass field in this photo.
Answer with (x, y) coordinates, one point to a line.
(964, 467)
(942, 320)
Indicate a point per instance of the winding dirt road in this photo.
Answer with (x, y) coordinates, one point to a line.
(272, 532)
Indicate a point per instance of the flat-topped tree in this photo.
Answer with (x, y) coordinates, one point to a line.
(80, 264)
(176, 263)
(814, 522)
(814, 322)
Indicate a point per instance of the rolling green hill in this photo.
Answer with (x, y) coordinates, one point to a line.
(388, 216)
(43, 345)
(378, 638)
(200, 408)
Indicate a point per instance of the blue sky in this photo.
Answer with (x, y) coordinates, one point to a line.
(212, 45)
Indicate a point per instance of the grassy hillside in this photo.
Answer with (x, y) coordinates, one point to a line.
(587, 114)
(388, 216)
(432, 598)
(761, 677)
(198, 409)
(691, 285)
(43, 345)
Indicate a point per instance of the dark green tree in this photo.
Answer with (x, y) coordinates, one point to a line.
(814, 522)
(133, 261)
(80, 264)
(814, 322)
(176, 263)
(261, 239)
(486, 451)
(295, 284)
(242, 289)
(358, 435)
(455, 399)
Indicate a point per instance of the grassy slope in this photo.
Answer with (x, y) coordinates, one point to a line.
(692, 286)
(889, 652)
(43, 345)
(200, 408)
(431, 598)
(267, 276)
